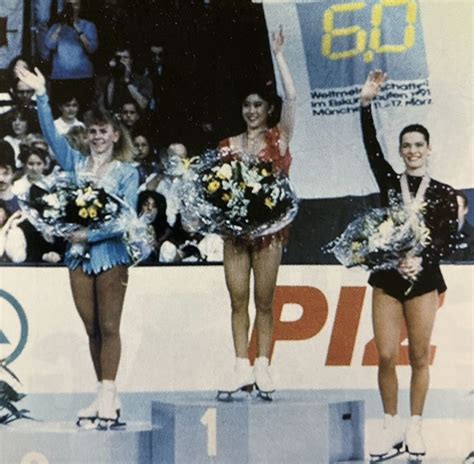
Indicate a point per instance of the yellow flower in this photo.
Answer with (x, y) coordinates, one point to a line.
(356, 246)
(80, 202)
(186, 163)
(225, 197)
(92, 212)
(269, 203)
(89, 190)
(213, 186)
(98, 203)
(83, 213)
(264, 172)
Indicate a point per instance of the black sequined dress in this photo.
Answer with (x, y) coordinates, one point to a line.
(440, 216)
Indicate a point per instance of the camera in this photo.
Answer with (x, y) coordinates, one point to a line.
(67, 15)
(117, 68)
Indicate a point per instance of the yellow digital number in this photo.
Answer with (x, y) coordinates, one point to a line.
(330, 33)
(375, 42)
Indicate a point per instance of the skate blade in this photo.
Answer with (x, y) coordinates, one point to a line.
(86, 423)
(227, 396)
(110, 424)
(397, 450)
(264, 395)
(415, 458)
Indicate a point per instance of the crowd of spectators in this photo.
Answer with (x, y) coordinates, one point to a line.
(167, 69)
(88, 65)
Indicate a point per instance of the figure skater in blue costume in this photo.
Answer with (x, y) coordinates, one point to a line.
(98, 282)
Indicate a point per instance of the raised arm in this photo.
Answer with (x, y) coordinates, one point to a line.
(379, 165)
(52, 36)
(64, 153)
(288, 110)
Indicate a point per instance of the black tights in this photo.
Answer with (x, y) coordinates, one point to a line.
(238, 261)
(99, 302)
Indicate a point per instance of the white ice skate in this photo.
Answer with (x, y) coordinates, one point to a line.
(108, 414)
(415, 444)
(389, 440)
(263, 379)
(86, 417)
(240, 380)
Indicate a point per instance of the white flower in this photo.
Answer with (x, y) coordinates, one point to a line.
(51, 213)
(256, 186)
(385, 229)
(52, 200)
(225, 171)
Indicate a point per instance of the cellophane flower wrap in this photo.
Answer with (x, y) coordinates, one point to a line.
(236, 196)
(383, 237)
(61, 204)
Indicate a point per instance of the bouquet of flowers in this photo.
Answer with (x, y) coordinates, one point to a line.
(61, 205)
(237, 196)
(382, 238)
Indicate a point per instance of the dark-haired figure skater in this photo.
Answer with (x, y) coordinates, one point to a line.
(270, 142)
(395, 298)
(98, 282)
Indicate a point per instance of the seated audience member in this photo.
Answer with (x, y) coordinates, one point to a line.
(18, 129)
(152, 207)
(72, 41)
(38, 248)
(12, 238)
(69, 108)
(34, 161)
(166, 181)
(145, 156)
(34, 141)
(7, 170)
(131, 117)
(21, 100)
(465, 245)
(122, 84)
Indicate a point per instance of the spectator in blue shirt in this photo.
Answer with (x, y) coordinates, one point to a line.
(72, 41)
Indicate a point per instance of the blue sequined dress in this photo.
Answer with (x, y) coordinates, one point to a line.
(105, 247)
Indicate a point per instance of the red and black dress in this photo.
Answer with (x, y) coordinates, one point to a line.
(440, 215)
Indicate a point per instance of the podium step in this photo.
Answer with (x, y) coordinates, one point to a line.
(34, 442)
(290, 429)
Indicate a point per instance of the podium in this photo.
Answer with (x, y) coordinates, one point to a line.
(31, 442)
(297, 427)
(291, 429)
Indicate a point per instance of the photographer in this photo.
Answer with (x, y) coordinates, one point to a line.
(122, 84)
(71, 41)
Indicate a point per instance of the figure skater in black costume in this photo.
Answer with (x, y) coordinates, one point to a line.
(395, 297)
